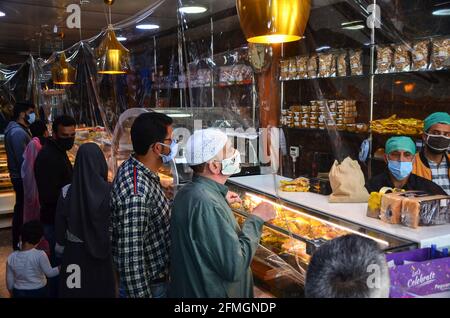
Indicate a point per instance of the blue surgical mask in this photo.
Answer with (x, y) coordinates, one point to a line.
(173, 152)
(31, 118)
(400, 169)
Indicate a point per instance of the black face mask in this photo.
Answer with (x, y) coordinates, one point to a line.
(65, 143)
(437, 144)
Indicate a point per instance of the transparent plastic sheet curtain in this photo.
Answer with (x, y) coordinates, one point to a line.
(360, 60)
(121, 139)
(309, 88)
(218, 88)
(19, 82)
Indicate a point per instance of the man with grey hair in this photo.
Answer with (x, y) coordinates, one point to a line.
(350, 266)
(210, 254)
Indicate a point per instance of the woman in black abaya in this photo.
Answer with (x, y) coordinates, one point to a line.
(82, 229)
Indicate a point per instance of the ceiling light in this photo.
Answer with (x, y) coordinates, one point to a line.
(147, 26)
(276, 22)
(352, 22)
(192, 9)
(2, 14)
(179, 115)
(354, 27)
(62, 72)
(441, 12)
(121, 38)
(323, 48)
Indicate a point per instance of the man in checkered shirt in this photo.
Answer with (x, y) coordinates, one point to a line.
(433, 162)
(140, 211)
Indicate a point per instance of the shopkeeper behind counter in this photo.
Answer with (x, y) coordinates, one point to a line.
(399, 157)
(433, 161)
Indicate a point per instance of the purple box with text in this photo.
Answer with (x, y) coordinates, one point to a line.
(424, 276)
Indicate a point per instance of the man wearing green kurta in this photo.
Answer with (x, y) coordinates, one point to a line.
(210, 253)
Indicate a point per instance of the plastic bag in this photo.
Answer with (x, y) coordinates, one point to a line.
(420, 55)
(402, 60)
(385, 57)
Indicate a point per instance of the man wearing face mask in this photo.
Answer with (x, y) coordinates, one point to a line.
(210, 253)
(399, 158)
(17, 137)
(140, 211)
(433, 161)
(53, 170)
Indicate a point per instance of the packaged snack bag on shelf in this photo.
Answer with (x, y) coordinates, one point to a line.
(385, 57)
(312, 66)
(402, 61)
(247, 74)
(420, 55)
(326, 66)
(302, 66)
(284, 70)
(356, 63)
(419, 210)
(440, 53)
(226, 75)
(293, 74)
(342, 64)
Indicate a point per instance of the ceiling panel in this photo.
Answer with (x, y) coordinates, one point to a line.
(28, 24)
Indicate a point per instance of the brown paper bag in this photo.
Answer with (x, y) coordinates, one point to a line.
(347, 182)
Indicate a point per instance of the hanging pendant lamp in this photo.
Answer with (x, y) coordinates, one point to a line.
(273, 21)
(112, 56)
(62, 72)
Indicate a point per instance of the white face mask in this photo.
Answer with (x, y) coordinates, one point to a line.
(232, 165)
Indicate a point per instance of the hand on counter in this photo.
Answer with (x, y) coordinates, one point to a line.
(265, 211)
(233, 198)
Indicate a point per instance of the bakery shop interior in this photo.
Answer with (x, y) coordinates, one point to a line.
(298, 135)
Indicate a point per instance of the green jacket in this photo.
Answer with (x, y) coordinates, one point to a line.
(210, 254)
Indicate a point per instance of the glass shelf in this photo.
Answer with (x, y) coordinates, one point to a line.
(366, 75)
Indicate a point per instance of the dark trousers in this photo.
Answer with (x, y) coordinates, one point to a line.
(18, 212)
(32, 293)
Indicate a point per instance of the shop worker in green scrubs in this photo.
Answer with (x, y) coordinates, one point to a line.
(400, 152)
(210, 254)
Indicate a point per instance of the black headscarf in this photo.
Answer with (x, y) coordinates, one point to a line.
(88, 201)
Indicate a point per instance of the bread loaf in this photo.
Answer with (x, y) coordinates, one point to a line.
(425, 210)
(391, 208)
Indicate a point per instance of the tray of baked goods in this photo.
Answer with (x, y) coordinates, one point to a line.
(5, 182)
(291, 232)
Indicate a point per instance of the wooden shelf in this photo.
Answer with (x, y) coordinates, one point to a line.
(345, 132)
(197, 87)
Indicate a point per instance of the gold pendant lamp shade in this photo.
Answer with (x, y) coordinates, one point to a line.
(113, 57)
(62, 72)
(273, 21)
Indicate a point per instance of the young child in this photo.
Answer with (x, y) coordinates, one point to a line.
(27, 270)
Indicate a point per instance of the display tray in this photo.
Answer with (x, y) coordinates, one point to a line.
(348, 216)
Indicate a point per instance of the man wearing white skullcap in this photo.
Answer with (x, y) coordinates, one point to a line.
(210, 253)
